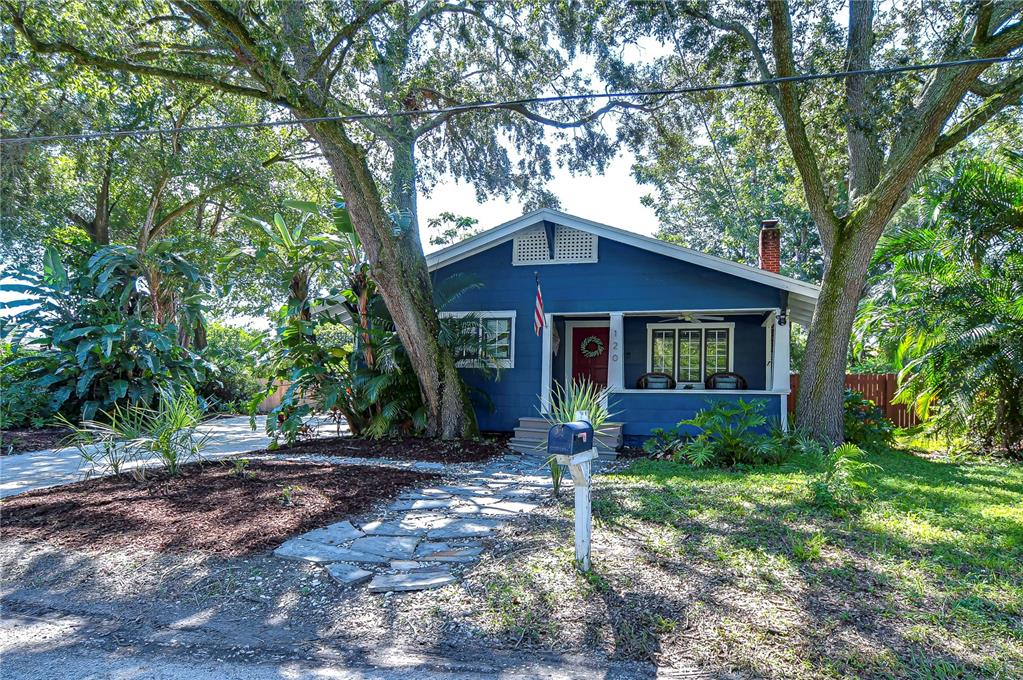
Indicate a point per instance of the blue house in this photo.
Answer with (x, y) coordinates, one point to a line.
(665, 328)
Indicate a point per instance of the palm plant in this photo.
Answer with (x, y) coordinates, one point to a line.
(953, 303)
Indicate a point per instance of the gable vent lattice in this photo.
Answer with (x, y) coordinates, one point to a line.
(570, 245)
(531, 247)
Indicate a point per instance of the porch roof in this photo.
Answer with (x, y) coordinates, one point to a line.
(802, 295)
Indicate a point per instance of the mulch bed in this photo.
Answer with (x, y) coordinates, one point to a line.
(403, 448)
(25, 439)
(207, 508)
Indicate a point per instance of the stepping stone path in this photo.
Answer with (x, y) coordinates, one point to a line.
(421, 537)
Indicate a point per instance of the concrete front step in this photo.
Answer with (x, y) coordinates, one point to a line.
(531, 438)
(607, 440)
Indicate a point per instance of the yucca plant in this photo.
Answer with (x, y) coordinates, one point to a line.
(581, 395)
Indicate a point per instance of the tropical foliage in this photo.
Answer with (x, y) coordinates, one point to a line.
(137, 432)
(236, 374)
(725, 433)
(365, 375)
(842, 482)
(952, 303)
(866, 425)
(95, 332)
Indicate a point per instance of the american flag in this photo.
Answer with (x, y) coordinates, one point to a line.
(538, 310)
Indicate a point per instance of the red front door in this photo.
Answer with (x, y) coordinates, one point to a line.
(589, 353)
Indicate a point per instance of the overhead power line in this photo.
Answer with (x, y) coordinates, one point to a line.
(490, 105)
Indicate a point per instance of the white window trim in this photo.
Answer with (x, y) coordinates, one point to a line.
(509, 314)
(651, 327)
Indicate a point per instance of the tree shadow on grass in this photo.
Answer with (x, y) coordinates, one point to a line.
(847, 618)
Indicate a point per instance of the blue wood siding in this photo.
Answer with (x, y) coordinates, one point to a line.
(625, 279)
(641, 413)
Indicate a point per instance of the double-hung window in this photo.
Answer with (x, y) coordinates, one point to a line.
(484, 338)
(690, 352)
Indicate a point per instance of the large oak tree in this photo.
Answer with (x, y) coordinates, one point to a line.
(858, 143)
(327, 59)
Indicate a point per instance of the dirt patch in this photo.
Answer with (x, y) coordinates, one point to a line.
(25, 439)
(207, 508)
(403, 448)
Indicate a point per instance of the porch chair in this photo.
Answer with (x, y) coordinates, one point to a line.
(655, 381)
(725, 381)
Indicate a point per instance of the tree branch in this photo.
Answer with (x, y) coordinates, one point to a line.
(1009, 94)
(865, 155)
(738, 29)
(346, 33)
(84, 58)
(795, 128)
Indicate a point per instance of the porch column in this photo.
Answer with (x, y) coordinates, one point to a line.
(545, 363)
(780, 362)
(615, 357)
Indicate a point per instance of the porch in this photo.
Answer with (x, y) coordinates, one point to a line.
(657, 364)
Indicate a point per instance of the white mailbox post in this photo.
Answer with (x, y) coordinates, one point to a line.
(579, 466)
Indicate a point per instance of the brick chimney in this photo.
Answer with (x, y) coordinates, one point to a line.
(770, 246)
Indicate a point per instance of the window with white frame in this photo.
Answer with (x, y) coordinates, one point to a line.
(690, 352)
(484, 338)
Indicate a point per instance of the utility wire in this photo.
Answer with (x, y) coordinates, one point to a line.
(488, 105)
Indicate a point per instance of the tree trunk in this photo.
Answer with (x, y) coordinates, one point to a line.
(399, 269)
(819, 405)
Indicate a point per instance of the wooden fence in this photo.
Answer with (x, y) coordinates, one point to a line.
(275, 399)
(880, 388)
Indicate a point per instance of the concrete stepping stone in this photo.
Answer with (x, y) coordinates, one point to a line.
(457, 527)
(333, 534)
(468, 490)
(512, 506)
(446, 553)
(409, 525)
(412, 565)
(422, 496)
(400, 547)
(424, 504)
(348, 574)
(422, 580)
(311, 551)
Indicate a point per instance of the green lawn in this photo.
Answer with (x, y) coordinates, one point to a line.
(924, 581)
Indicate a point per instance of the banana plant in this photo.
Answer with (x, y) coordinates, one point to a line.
(96, 339)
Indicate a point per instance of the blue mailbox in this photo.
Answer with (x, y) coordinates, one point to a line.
(568, 439)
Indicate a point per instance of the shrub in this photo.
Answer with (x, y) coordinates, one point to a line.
(663, 443)
(234, 356)
(97, 345)
(21, 405)
(842, 483)
(865, 423)
(728, 435)
(580, 395)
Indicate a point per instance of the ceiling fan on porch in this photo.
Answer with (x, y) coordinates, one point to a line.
(694, 317)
